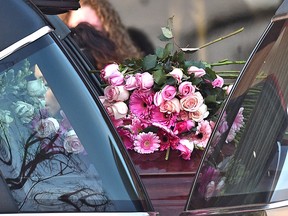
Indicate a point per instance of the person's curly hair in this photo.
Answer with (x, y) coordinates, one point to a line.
(113, 27)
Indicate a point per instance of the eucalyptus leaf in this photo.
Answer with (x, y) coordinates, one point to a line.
(168, 50)
(160, 52)
(159, 77)
(167, 32)
(163, 38)
(149, 62)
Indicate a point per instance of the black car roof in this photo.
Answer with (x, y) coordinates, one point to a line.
(283, 9)
(19, 18)
(53, 7)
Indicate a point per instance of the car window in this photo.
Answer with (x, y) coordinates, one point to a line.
(247, 162)
(57, 151)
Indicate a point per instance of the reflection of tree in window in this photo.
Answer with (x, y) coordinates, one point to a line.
(41, 156)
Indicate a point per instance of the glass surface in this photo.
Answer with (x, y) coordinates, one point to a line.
(57, 153)
(247, 162)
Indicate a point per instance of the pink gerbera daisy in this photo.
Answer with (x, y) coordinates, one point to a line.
(239, 120)
(202, 134)
(167, 137)
(166, 119)
(146, 143)
(141, 103)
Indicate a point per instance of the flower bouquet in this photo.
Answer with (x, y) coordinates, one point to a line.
(164, 101)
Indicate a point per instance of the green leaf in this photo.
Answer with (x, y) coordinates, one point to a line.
(167, 32)
(160, 52)
(168, 50)
(163, 38)
(210, 99)
(210, 74)
(149, 62)
(171, 81)
(159, 77)
(179, 57)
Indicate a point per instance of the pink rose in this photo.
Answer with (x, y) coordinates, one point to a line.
(131, 83)
(117, 110)
(200, 114)
(218, 82)
(72, 143)
(186, 88)
(177, 74)
(158, 99)
(144, 81)
(183, 126)
(198, 72)
(192, 102)
(183, 115)
(168, 92)
(186, 148)
(116, 93)
(112, 75)
(170, 106)
(228, 89)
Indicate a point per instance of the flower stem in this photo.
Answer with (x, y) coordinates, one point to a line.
(227, 63)
(167, 154)
(222, 38)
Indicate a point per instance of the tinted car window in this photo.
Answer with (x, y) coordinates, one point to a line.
(57, 151)
(246, 162)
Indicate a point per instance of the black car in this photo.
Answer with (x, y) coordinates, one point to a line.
(59, 151)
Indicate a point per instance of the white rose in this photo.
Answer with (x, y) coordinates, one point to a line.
(46, 127)
(192, 102)
(24, 110)
(199, 114)
(5, 116)
(36, 88)
(120, 110)
(72, 143)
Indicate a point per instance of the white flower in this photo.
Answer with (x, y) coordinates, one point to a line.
(36, 88)
(5, 117)
(199, 114)
(46, 127)
(24, 110)
(72, 143)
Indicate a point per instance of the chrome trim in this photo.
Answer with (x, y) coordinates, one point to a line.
(235, 209)
(279, 17)
(25, 41)
(85, 214)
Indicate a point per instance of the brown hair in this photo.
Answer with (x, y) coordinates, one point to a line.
(113, 27)
(98, 48)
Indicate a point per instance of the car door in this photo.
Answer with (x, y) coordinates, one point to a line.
(58, 149)
(244, 169)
